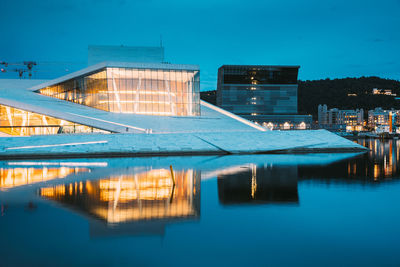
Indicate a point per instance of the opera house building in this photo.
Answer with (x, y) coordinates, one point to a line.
(95, 111)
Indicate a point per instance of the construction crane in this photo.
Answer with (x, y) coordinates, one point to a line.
(46, 67)
(28, 64)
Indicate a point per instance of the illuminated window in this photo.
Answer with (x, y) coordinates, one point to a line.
(302, 126)
(286, 126)
(270, 126)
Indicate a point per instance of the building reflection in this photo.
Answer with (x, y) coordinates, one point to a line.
(134, 203)
(379, 164)
(14, 177)
(259, 185)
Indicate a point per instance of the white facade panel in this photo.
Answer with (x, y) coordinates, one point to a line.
(97, 54)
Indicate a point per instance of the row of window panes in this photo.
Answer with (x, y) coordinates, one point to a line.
(119, 92)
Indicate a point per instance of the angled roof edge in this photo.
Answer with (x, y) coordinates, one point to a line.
(115, 64)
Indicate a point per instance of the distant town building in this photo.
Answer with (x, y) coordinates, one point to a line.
(266, 95)
(322, 114)
(377, 91)
(378, 120)
(340, 120)
(144, 54)
(381, 120)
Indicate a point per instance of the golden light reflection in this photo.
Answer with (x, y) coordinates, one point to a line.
(140, 196)
(53, 192)
(376, 171)
(379, 163)
(13, 177)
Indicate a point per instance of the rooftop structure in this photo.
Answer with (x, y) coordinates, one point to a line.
(145, 54)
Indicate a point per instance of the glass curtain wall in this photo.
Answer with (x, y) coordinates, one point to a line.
(20, 122)
(138, 91)
(90, 90)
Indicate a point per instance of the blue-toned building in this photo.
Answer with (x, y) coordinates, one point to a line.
(266, 95)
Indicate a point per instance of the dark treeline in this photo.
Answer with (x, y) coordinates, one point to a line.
(209, 96)
(335, 94)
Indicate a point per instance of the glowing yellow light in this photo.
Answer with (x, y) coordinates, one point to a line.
(59, 190)
(141, 196)
(14, 177)
(286, 126)
(135, 101)
(140, 92)
(302, 126)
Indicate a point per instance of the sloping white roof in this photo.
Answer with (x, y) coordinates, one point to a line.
(108, 64)
(14, 93)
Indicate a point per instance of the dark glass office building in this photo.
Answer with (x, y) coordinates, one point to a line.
(263, 94)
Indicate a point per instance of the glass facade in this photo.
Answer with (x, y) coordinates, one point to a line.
(162, 92)
(258, 100)
(20, 122)
(266, 95)
(257, 90)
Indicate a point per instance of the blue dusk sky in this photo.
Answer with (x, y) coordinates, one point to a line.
(328, 39)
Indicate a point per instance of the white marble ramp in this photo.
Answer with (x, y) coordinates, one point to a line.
(92, 145)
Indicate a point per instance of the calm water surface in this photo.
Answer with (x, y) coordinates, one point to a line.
(314, 209)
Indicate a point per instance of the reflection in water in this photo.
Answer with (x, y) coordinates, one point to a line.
(252, 198)
(258, 185)
(379, 164)
(13, 177)
(385, 158)
(142, 196)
